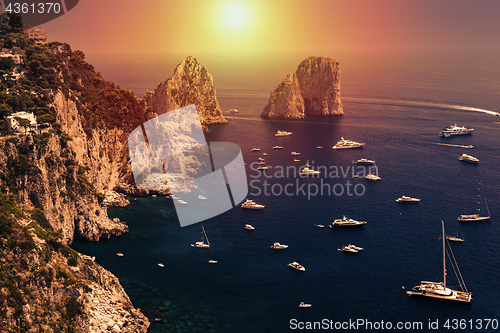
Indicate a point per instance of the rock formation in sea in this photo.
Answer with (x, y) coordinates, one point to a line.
(190, 84)
(319, 86)
(286, 101)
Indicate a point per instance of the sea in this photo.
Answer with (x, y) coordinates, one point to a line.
(397, 107)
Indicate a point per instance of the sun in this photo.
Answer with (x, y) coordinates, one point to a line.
(235, 15)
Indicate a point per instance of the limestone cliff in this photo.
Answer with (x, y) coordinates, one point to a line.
(286, 101)
(318, 85)
(190, 84)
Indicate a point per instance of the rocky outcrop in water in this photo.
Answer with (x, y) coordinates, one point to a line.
(318, 80)
(190, 84)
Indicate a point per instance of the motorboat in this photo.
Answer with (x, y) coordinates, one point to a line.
(255, 149)
(119, 254)
(260, 159)
(319, 147)
(319, 225)
(309, 172)
(296, 160)
(249, 227)
(233, 111)
(297, 266)
(344, 144)
(250, 204)
(262, 168)
(182, 202)
(283, 133)
(277, 147)
(455, 130)
(365, 161)
(468, 158)
(346, 222)
(212, 261)
(202, 197)
(295, 153)
(278, 246)
(406, 199)
(304, 305)
(161, 265)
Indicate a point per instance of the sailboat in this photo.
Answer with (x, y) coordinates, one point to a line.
(439, 290)
(453, 238)
(476, 217)
(202, 244)
(373, 175)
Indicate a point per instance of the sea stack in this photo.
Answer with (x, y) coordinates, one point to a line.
(318, 81)
(190, 84)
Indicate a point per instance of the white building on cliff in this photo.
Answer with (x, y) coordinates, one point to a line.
(14, 124)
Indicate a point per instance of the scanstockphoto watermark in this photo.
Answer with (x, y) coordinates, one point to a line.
(333, 180)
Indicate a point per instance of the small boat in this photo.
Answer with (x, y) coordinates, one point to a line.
(262, 168)
(347, 248)
(262, 162)
(365, 161)
(345, 222)
(255, 149)
(477, 217)
(233, 111)
(202, 244)
(278, 246)
(319, 225)
(277, 147)
(373, 175)
(297, 266)
(309, 172)
(468, 158)
(265, 154)
(439, 290)
(296, 160)
(407, 199)
(249, 227)
(295, 153)
(202, 197)
(182, 202)
(261, 159)
(455, 130)
(304, 305)
(168, 197)
(212, 261)
(250, 204)
(161, 265)
(319, 147)
(119, 254)
(345, 144)
(283, 133)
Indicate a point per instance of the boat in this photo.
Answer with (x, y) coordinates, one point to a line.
(296, 160)
(168, 197)
(233, 111)
(283, 133)
(476, 217)
(261, 159)
(119, 254)
(468, 158)
(347, 248)
(182, 202)
(278, 246)
(262, 163)
(309, 172)
(344, 144)
(365, 161)
(262, 168)
(250, 204)
(161, 265)
(455, 130)
(405, 199)
(255, 149)
(304, 305)
(265, 154)
(202, 197)
(249, 227)
(345, 222)
(212, 261)
(295, 153)
(319, 147)
(202, 244)
(319, 225)
(455, 238)
(439, 290)
(297, 266)
(154, 195)
(277, 147)
(373, 175)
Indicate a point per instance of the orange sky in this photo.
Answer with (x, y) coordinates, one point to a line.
(319, 27)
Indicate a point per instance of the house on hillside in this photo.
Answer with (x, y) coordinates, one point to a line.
(14, 124)
(37, 34)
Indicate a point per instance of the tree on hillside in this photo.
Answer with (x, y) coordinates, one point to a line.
(23, 122)
(16, 22)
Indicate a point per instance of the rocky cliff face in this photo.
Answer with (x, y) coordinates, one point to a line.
(286, 101)
(318, 85)
(190, 84)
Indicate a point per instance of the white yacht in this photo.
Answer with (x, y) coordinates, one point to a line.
(182, 202)
(265, 154)
(350, 248)
(249, 227)
(365, 161)
(262, 168)
(344, 144)
(455, 130)
(261, 159)
(297, 266)
(250, 204)
(278, 246)
(233, 111)
(202, 197)
(373, 175)
(304, 305)
(277, 147)
(309, 172)
(407, 199)
(468, 158)
(345, 222)
(283, 133)
(255, 149)
(295, 153)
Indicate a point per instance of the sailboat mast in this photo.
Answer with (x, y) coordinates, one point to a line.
(444, 256)
(205, 235)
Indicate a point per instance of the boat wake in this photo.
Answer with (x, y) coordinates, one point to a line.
(450, 145)
(420, 104)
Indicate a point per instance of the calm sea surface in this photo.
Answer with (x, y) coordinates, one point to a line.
(251, 289)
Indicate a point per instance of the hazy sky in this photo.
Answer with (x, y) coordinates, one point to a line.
(248, 27)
